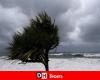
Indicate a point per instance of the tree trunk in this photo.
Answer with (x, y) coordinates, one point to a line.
(46, 67)
(46, 60)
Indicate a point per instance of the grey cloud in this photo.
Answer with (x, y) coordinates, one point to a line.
(90, 32)
(90, 23)
(28, 6)
(79, 48)
(78, 20)
(11, 20)
(32, 7)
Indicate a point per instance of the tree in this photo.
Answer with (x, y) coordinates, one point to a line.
(35, 42)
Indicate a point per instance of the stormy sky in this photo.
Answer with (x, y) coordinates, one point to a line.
(78, 21)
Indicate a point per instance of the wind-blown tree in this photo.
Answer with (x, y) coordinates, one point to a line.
(35, 42)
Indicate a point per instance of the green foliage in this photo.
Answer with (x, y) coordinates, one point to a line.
(36, 40)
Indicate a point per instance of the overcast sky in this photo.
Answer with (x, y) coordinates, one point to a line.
(78, 21)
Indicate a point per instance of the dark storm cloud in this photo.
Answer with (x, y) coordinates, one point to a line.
(92, 32)
(79, 48)
(90, 24)
(78, 20)
(21, 9)
(11, 20)
(28, 6)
